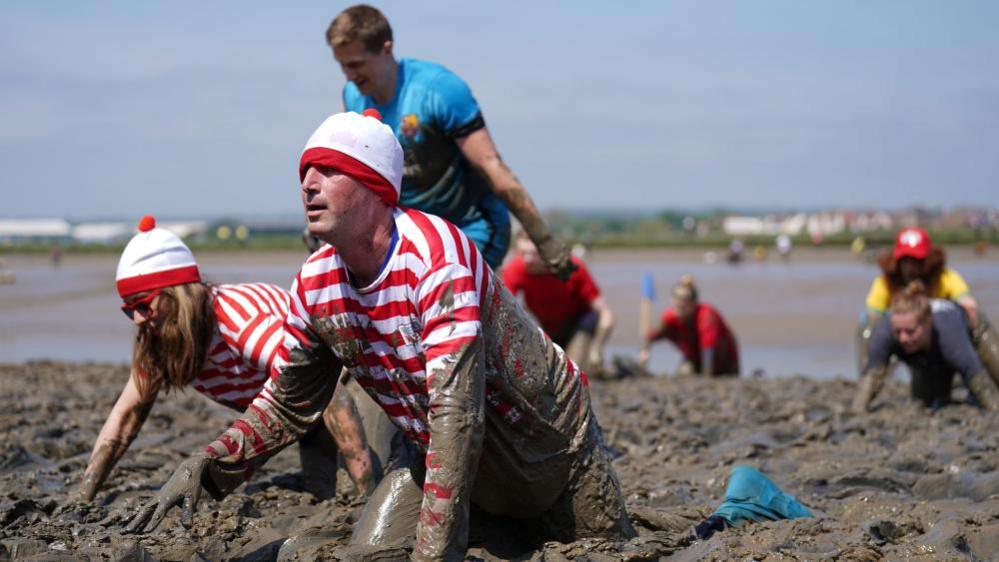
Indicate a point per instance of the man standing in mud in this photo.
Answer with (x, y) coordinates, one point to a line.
(452, 168)
(493, 413)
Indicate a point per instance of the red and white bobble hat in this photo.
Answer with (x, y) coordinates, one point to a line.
(360, 146)
(154, 258)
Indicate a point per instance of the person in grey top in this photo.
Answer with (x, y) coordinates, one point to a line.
(933, 338)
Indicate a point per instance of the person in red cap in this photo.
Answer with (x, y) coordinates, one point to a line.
(573, 312)
(492, 413)
(703, 337)
(221, 340)
(915, 258)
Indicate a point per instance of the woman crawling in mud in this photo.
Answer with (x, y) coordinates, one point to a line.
(932, 337)
(699, 331)
(222, 340)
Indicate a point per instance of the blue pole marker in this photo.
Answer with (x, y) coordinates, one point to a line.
(648, 286)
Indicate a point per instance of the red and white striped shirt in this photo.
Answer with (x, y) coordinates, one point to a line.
(392, 333)
(250, 318)
(447, 352)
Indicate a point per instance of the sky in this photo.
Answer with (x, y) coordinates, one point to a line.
(201, 109)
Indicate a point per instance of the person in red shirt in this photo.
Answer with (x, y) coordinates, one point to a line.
(573, 313)
(699, 331)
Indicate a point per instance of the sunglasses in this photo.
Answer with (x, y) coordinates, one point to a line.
(142, 306)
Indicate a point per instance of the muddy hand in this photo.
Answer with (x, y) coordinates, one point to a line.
(184, 488)
(88, 488)
(556, 257)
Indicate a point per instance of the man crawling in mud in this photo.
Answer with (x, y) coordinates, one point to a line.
(493, 413)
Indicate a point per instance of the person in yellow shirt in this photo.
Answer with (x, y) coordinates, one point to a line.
(915, 258)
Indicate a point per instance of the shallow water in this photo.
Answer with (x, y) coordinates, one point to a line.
(789, 317)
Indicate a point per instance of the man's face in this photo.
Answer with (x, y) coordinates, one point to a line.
(532, 259)
(912, 332)
(368, 71)
(910, 268)
(330, 198)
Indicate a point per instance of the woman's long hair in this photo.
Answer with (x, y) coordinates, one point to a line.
(930, 270)
(170, 355)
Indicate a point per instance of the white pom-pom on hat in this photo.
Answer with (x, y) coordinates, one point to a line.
(154, 258)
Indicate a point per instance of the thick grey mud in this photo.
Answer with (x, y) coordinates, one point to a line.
(896, 483)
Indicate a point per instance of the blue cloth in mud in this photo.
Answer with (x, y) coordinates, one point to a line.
(753, 497)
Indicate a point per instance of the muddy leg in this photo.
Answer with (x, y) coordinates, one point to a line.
(393, 509)
(591, 504)
(344, 424)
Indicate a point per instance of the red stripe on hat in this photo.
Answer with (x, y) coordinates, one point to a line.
(167, 278)
(351, 166)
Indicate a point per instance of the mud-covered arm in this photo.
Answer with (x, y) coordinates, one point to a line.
(954, 340)
(873, 378)
(664, 329)
(453, 347)
(288, 406)
(868, 388)
(959, 351)
(661, 331)
(481, 152)
(303, 378)
(120, 429)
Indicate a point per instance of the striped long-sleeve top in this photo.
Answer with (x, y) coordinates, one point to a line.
(451, 357)
(245, 346)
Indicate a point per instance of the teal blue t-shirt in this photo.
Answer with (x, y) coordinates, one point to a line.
(431, 108)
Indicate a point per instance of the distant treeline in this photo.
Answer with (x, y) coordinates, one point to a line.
(665, 230)
(671, 229)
